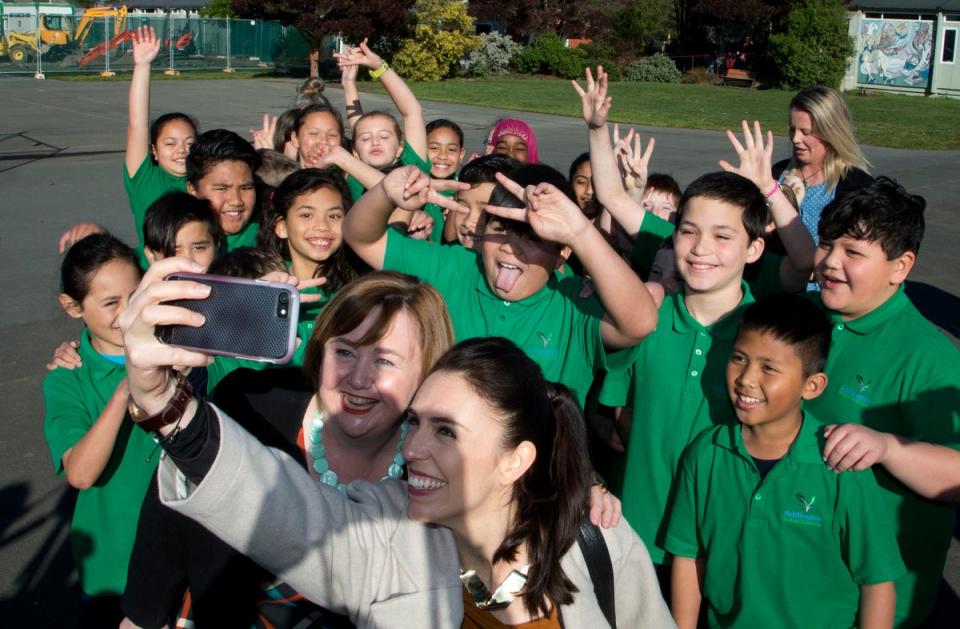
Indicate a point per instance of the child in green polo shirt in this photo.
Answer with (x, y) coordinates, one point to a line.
(91, 438)
(511, 289)
(220, 167)
(154, 159)
(890, 370)
(760, 527)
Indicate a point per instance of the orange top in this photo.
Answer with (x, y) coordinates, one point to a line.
(474, 618)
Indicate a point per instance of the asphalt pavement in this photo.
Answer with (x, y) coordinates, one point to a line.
(61, 149)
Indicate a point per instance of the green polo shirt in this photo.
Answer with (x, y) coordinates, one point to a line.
(554, 326)
(105, 517)
(148, 184)
(789, 550)
(246, 237)
(893, 371)
(677, 388)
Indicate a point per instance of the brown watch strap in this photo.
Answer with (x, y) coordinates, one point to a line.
(170, 413)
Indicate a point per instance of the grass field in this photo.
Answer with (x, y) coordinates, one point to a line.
(158, 75)
(882, 120)
(896, 121)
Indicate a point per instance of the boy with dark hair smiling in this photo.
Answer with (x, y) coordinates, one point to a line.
(746, 494)
(220, 170)
(890, 370)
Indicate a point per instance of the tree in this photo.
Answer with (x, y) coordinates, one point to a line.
(442, 34)
(814, 46)
(218, 8)
(642, 23)
(377, 19)
(570, 18)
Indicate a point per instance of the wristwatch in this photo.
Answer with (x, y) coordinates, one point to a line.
(170, 413)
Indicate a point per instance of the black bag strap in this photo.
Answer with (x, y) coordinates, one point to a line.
(594, 549)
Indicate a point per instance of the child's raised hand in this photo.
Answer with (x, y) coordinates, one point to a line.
(263, 137)
(551, 214)
(596, 103)
(853, 447)
(409, 188)
(348, 73)
(146, 46)
(359, 56)
(633, 160)
(756, 156)
(66, 356)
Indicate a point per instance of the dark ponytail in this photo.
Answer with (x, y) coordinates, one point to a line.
(551, 496)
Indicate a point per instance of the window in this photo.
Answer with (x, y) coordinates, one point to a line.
(949, 50)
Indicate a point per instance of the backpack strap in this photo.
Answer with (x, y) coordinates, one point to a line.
(595, 553)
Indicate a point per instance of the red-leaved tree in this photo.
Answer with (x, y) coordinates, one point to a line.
(316, 19)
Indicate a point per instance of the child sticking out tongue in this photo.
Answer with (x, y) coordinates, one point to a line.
(507, 276)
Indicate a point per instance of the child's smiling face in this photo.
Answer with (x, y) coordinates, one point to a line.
(173, 144)
(855, 275)
(516, 265)
(375, 141)
(312, 228)
(712, 246)
(110, 288)
(229, 189)
(445, 152)
(765, 379)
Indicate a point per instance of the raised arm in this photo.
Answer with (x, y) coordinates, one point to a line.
(607, 184)
(351, 95)
(414, 126)
(755, 164)
(407, 188)
(367, 175)
(146, 46)
(631, 311)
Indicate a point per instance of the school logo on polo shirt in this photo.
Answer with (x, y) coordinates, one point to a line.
(544, 350)
(858, 392)
(804, 512)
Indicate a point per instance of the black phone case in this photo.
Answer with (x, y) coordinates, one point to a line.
(244, 318)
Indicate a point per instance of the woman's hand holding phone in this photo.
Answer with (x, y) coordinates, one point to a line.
(149, 362)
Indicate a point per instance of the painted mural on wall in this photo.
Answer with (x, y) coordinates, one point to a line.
(895, 52)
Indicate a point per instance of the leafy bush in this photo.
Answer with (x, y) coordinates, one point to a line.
(493, 56)
(548, 55)
(699, 75)
(442, 35)
(609, 66)
(656, 68)
(814, 46)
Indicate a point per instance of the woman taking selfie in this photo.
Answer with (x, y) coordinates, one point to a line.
(497, 488)
(339, 417)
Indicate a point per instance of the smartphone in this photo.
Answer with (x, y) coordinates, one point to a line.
(250, 319)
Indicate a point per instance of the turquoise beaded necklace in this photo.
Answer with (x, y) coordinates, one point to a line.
(319, 453)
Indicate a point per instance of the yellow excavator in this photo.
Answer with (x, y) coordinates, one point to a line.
(19, 42)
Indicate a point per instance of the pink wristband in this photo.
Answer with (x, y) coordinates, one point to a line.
(776, 186)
